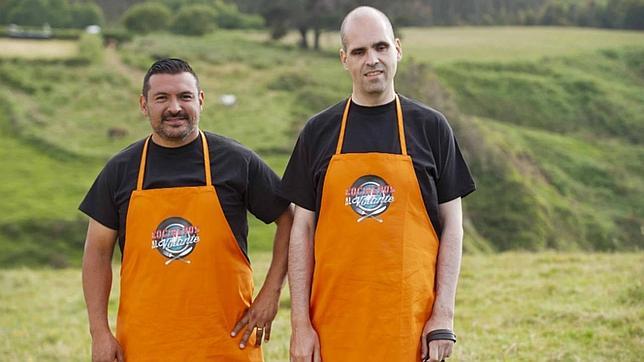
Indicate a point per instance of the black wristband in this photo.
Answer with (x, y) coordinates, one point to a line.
(441, 334)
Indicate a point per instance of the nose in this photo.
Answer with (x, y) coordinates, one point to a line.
(372, 58)
(174, 106)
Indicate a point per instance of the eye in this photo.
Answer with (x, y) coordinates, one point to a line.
(357, 52)
(187, 97)
(160, 98)
(382, 47)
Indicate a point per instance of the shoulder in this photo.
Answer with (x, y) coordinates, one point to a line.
(323, 122)
(223, 146)
(423, 115)
(126, 157)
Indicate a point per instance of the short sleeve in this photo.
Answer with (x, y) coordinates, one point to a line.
(297, 183)
(99, 203)
(454, 177)
(262, 199)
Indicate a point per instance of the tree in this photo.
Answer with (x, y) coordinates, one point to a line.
(634, 15)
(58, 14)
(194, 20)
(147, 17)
(29, 13)
(84, 14)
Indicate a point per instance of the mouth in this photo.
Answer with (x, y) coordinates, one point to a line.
(175, 121)
(374, 73)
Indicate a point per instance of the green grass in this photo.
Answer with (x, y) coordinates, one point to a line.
(508, 44)
(510, 307)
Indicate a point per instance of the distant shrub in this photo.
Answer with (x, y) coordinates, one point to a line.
(28, 12)
(85, 14)
(90, 48)
(118, 35)
(194, 20)
(229, 17)
(147, 17)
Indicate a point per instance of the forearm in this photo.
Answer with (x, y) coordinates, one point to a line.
(448, 268)
(97, 282)
(277, 271)
(448, 264)
(300, 272)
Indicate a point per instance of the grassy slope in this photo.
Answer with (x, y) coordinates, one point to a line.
(510, 307)
(569, 134)
(531, 114)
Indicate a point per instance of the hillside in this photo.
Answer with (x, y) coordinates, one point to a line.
(555, 143)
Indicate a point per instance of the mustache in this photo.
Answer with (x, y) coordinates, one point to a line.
(181, 115)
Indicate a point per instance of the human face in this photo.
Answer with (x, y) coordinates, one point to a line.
(173, 105)
(371, 57)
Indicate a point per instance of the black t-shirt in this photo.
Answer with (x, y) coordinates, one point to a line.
(438, 163)
(242, 180)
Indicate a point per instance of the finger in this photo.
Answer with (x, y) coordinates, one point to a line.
(259, 336)
(317, 355)
(240, 324)
(448, 350)
(119, 354)
(267, 332)
(433, 352)
(424, 353)
(246, 336)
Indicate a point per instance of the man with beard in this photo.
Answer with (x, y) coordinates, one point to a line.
(176, 202)
(377, 234)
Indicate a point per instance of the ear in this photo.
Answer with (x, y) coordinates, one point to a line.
(143, 105)
(398, 49)
(202, 97)
(343, 58)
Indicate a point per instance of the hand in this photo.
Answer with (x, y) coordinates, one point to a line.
(438, 350)
(260, 315)
(105, 348)
(305, 345)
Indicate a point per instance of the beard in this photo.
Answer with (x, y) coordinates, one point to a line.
(176, 127)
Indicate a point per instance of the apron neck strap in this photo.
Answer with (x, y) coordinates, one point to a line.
(401, 129)
(206, 160)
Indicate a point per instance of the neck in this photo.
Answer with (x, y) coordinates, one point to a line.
(175, 142)
(373, 99)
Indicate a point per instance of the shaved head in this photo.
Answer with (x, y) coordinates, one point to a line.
(363, 12)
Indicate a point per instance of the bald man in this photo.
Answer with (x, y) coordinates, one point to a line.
(377, 181)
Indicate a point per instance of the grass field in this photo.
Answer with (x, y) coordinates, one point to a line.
(38, 49)
(441, 45)
(510, 307)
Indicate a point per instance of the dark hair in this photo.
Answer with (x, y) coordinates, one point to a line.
(167, 66)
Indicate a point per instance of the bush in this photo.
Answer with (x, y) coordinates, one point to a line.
(147, 17)
(90, 48)
(85, 14)
(118, 35)
(229, 17)
(194, 20)
(29, 13)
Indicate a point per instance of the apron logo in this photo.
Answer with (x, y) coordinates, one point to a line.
(175, 238)
(369, 196)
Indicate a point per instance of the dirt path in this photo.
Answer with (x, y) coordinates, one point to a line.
(113, 61)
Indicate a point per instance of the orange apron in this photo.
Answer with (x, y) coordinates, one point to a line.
(375, 257)
(184, 280)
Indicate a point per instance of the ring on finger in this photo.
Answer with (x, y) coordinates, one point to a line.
(259, 336)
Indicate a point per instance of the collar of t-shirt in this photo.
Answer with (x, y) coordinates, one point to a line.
(372, 110)
(180, 151)
(371, 129)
